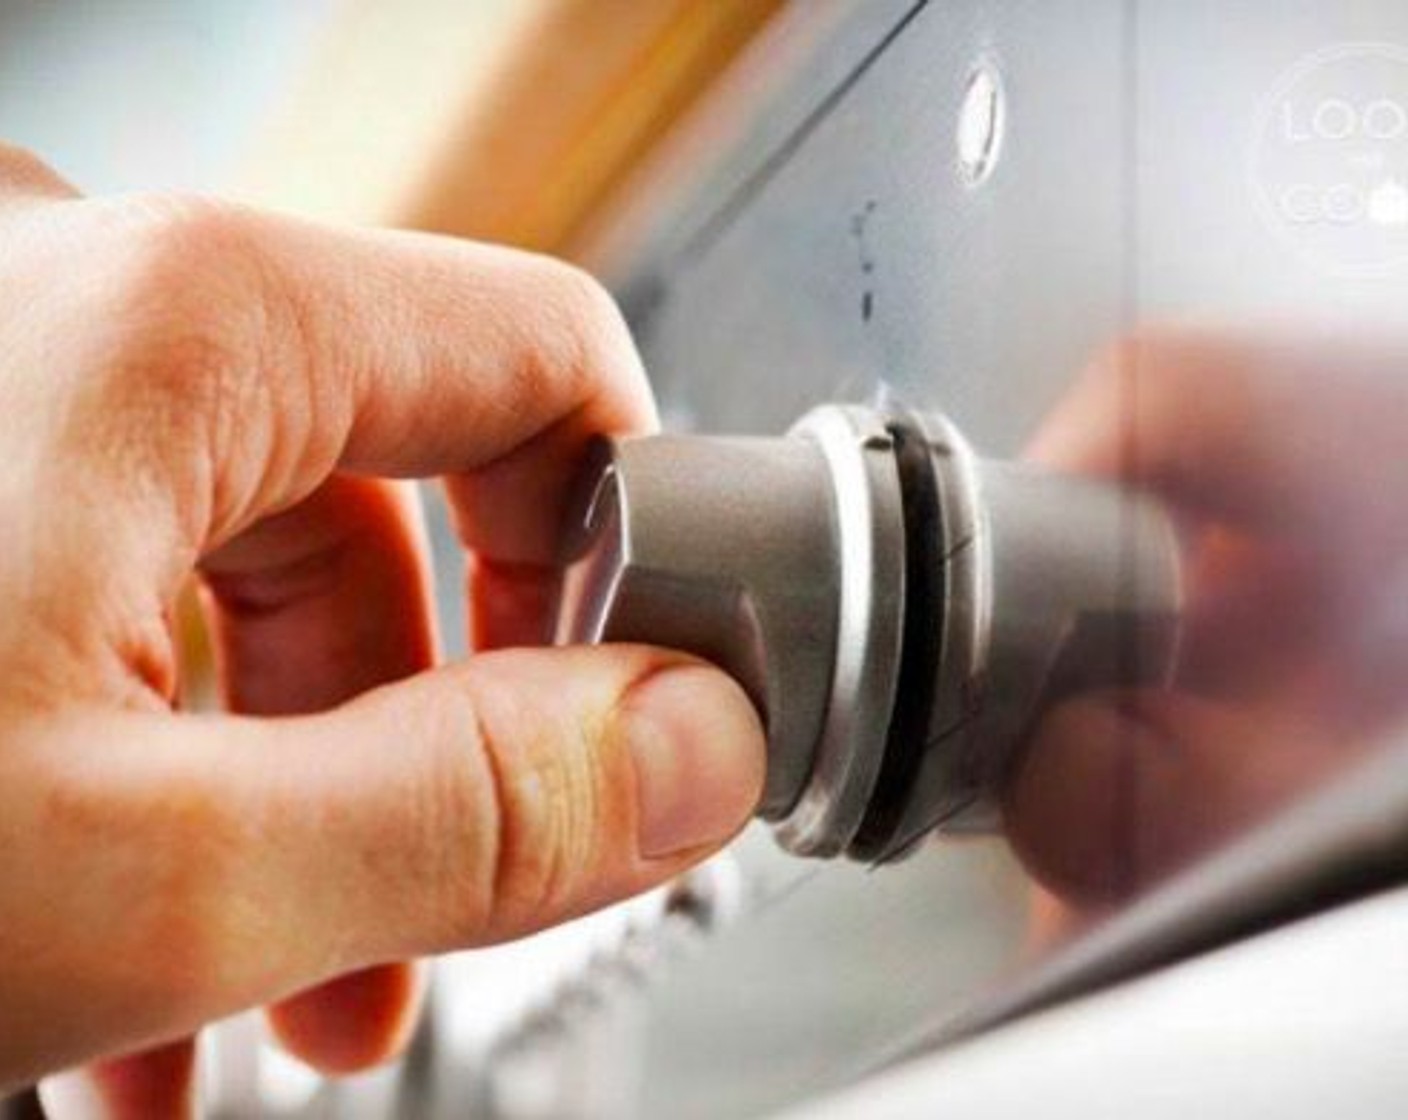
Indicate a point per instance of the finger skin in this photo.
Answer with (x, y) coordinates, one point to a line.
(510, 604)
(25, 178)
(158, 1084)
(308, 609)
(355, 1021)
(320, 603)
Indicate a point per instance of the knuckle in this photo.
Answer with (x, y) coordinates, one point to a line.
(540, 832)
(16, 159)
(181, 318)
(581, 294)
(22, 170)
(179, 226)
(456, 810)
(588, 327)
(186, 273)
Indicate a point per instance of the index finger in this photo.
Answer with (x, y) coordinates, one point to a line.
(382, 353)
(487, 364)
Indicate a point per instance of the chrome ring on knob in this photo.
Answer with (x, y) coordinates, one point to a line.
(865, 666)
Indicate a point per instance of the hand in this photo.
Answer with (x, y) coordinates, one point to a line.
(193, 388)
(1282, 454)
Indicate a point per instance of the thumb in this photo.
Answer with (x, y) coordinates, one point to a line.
(485, 801)
(251, 858)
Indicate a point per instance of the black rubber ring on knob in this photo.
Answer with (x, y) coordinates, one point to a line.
(920, 647)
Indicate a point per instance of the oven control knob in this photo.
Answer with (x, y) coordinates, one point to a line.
(900, 610)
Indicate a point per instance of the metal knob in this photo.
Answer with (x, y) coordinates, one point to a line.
(900, 611)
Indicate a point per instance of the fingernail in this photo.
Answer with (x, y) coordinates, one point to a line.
(71, 1096)
(697, 746)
